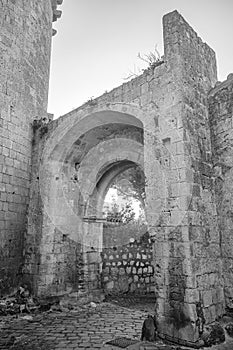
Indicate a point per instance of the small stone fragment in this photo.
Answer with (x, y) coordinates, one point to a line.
(229, 329)
(213, 334)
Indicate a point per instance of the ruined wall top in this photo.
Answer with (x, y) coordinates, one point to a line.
(56, 13)
(185, 49)
(219, 86)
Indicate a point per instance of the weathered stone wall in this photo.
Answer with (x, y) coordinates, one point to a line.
(128, 269)
(168, 103)
(220, 112)
(198, 65)
(66, 264)
(190, 250)
(69, 267)
(160, 121)
(35, 209)
(25, 41)
(40, 248)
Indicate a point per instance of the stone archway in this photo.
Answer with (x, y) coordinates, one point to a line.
(80, 152)
(79, 137)
(94, 189)
(86, 143)
(60, 267)
(84, 147)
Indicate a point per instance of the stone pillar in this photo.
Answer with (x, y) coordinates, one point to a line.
(92, 248)
(220, 111)
(187, 253)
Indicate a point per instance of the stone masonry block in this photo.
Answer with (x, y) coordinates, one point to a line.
(207, 298)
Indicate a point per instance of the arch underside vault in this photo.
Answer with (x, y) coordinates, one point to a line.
(76, 160)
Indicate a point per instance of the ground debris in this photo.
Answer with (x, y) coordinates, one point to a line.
(17, 303)
(213, 334)
(229, 329)
(9, 307)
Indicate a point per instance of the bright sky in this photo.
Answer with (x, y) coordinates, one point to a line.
(113, 197)
(98, 41)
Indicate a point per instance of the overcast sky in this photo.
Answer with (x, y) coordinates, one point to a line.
(97, 43)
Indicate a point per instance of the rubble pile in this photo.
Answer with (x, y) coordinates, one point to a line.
(213, 334)
(23, 303)
(229, 329)
(20, 302)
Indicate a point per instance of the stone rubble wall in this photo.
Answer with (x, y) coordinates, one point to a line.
(128, 269)
(221, 112)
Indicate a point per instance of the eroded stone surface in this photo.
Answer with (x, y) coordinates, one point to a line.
(26, 28)
(173, 121)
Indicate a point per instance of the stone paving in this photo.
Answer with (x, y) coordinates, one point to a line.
(86, 327)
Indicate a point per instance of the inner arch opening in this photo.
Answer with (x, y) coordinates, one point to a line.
(124, 207)
(127, 267)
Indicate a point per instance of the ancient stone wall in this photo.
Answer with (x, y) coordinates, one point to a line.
(128, 269)
(40, 248)
(220, 112)
(25, 41)
(191, 250)
(136, 90)
(47, 229)
(168, 104)
(160, 121)
(201, 75)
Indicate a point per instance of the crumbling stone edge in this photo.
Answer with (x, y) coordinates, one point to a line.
(56, 13)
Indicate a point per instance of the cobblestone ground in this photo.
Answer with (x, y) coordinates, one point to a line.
(85, 327)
